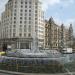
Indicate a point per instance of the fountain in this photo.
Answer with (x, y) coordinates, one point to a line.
(31, 61)
(25, 53)
(34, 55)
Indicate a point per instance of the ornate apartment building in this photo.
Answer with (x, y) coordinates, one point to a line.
(71, 35)
(56, 36)
(19, 22)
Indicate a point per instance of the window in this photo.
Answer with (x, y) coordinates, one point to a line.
(25, 2)
(29, 14)
(29, 35)
(14, 34)
(14, 26)
(15, 18)
(29, 22)
(15, 6)
(21, 10)
(14, 30)
(24, 28)
(21, 2)
(20, 25)
(29, 28)
(36, 7)
(35, 14)
(25, 18)
(29, 10)
(29, 2)
(35, 22)
(36, 3)
(25, 14)
(21, 14)
(14, 14)
(26, 6)
(29, 6)
(35, 18)
(20, 21)
(14, 22)
(24, 34)
(20, 34)
(25, 22)
(20, 17)
(15, 10)
(29, 18)
(25, 10)
(15, 2)
(20, 29)
(21, 6)
(35, 11)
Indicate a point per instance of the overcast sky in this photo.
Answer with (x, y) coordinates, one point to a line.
(63, 11)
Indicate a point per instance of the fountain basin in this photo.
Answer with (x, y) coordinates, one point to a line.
(26, 54)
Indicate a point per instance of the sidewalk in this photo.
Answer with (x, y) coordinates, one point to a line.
(19, 73)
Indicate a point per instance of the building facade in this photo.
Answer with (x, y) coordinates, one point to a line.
(0, 29)
(51, 34)
(71, 36)
(21, 20)
(57, 37)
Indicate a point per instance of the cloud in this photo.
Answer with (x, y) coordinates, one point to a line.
(70, 21)
(66, 23)
(47, 3)
(2, 5)
(57, 21)
(66, 3)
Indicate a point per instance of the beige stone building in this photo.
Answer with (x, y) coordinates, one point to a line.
(51, 34)
(57, 37)
(19, 22)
